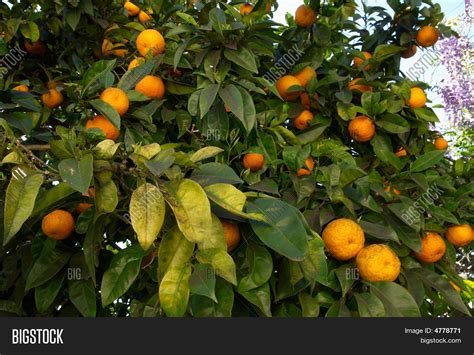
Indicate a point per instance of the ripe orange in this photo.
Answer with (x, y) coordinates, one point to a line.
(427, 36)
(150, 40)
(151, 86)
(53, 98)
(37, 47)
(359, 87)
(82, 206)
(253, 161)
(460, 235)
(143, 17)
(343, 238)
(286, 82)
(409, 52)
(246, 9)
(377, 262)
(401, 152)
(301, 122)
(116, 98)
(131, 8)
(305, 101)
(22, 87)
(417, 98)
(58, 224)
(309, 163)
(136, 62)
(362, 129)
(52, 84)
(231, 234)
(306, 75)
(440, 143)
(433, 248)
(305, 16)
(110, 131)
(358, 61)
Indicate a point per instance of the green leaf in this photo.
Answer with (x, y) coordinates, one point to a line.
(397, 301)
(212, 173)
(379, 231)
(432, 279)
(77, 173)
(48, 264)
(174, 291)
(233, 100)
(261, 298)
(47, 292)
(369, 305)
(393, 123)
(426, 161)
(231, 199)
(260, 268)
(82, 296)
(207, 98)
(249, 118)
(95, 72)
(106, 197)
(206, 153)
(191, 209)
(121, 274)
(73, 16)
(203, 281)
(243, 58)
(132, 77)
(19, 201)
(174, 251)
(51, 197)
(285, 233)
(30, 30)
(107, 110)
(309, 305)
(205, 307)
(147, 212)
(314, 265)
(221, 261)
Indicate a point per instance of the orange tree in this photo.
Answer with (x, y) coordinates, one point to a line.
(195, 158)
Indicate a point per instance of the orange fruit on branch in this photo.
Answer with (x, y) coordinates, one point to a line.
(58, 224)
(305, 16)
(417, 98)
(131, 8)
(362, 129)
(150, 40)
(102, 123)
(433, 248)
(246, 9)
(440, 143)
(53, 98)
(143, 17)
(37, 47)
(359, 87)
(309, 166)
(253, 161)
(136, 62)
(305, 76)
(231, 234)
(460, 235)
(82, 206)
(343, 238)
(401, 152)
(377, 262)
(22, 87)
(427, 36)
(301, 122)
(358, 61)
(286, 82)
(409, 52)
(151, 86)
(116, 98)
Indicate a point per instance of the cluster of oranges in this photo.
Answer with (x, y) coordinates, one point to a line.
(149, 42)
(133, 10)
(344, 239)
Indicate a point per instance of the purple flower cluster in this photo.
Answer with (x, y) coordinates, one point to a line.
(457, 90)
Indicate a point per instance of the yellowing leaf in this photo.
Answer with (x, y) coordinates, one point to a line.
(206, 153)
(147, 212)
(174, 291)
(221, 261)
(175, 250)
